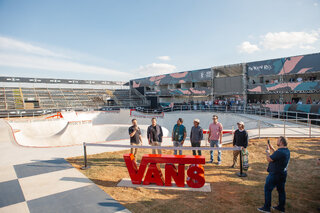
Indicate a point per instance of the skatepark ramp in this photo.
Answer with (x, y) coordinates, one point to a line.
(102, 126)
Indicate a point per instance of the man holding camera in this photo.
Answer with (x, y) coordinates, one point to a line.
(277, 168)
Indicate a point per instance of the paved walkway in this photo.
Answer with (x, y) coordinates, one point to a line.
(40, 180)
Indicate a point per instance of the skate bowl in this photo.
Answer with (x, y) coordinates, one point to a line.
(99, 127)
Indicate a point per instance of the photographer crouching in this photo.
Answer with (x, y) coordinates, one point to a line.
(277, 168)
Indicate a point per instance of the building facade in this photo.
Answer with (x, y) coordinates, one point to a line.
(275, 83)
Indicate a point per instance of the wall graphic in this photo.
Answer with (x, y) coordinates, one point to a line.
(174, 78)
(297, 64)
(285, 87)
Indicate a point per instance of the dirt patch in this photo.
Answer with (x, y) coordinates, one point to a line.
(229, 192)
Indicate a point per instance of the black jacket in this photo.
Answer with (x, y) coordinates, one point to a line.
(240, 138)
(159, 133)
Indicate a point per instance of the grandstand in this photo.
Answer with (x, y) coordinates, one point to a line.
(43, 94)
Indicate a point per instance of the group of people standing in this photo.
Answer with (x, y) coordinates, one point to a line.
(179, 134)
(278, 159)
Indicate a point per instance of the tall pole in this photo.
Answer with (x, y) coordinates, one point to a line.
(244, 86)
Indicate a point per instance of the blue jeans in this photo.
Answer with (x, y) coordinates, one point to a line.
(177, 144)
(214, 143)
(279, 181)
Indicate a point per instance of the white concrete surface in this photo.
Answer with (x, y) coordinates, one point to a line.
(51, 183)
(16, 208)
(126, 182)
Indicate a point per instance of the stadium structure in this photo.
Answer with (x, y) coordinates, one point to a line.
(283, 84)
(291, 83)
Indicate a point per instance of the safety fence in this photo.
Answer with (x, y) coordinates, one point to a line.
(289, 128)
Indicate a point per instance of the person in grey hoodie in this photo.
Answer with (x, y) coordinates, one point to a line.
(154, 135)
(196, 136)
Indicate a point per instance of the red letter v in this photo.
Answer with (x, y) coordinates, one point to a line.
(136, 174)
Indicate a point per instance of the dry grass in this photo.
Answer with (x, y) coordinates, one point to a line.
(229, 192)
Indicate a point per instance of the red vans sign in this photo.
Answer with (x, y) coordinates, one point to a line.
(151, 164)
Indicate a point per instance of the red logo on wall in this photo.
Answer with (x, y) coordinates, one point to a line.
(195, 172)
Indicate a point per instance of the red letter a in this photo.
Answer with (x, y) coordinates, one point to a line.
(154, 175)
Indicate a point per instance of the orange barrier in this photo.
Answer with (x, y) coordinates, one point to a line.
(58, 115)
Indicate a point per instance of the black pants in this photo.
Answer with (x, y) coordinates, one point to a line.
(279, 181)
(196, 144)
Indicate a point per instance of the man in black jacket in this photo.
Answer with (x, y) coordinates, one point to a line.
(196, 135)
(154, 135)
(240, 139)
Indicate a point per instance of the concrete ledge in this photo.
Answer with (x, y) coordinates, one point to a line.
(126, 182)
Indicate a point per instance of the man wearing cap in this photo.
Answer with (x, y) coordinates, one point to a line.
(215, 137)
(196, 135)
(240, 139)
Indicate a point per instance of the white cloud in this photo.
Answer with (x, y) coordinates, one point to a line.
(286, 40)
(53, 64)
(315, 4)
(14, 53)
(283, 40)
(12, 45)
(247, 47)
(164, 58)
(155, 69)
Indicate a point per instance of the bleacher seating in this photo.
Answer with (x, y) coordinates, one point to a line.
(127, 98)
(50, 98)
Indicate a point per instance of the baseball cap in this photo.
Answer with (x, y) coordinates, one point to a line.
(241, 123)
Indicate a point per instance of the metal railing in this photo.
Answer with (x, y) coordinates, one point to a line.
(290, 129)
(261, 111)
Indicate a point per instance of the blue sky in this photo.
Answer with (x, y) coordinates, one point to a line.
(126, 39)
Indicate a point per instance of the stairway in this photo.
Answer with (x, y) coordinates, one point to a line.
(18, 98)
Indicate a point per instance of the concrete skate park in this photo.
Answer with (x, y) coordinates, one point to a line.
(36, 178)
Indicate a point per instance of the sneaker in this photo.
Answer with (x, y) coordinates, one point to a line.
(219, 163)
(210, 161)
(262, 209)
(233, 166)
(277, 208)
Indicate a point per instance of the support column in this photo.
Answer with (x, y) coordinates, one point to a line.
(245, 85)
(212, 84)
